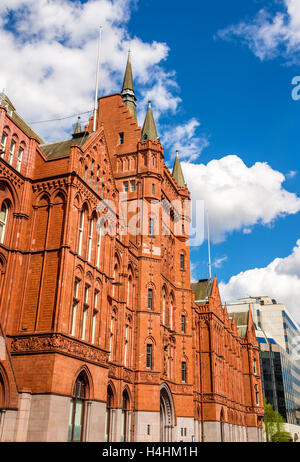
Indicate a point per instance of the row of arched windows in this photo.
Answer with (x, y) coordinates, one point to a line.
(90, 233)
(12, 150)
(77, 416)
(85, 313)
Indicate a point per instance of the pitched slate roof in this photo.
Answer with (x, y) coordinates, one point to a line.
(202, 289)
(62, 148)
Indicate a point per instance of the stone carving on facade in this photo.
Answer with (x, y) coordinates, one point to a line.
(60, 344)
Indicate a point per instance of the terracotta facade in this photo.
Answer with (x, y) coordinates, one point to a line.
(104, 340)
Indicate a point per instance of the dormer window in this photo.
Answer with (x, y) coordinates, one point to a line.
(121, 138)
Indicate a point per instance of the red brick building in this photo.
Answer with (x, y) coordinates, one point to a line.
(101, 336)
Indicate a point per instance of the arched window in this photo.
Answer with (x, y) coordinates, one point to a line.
(109, 414)
(76, 420)
(129, 291)
(125, 433)
(3, 220)
(164, 309)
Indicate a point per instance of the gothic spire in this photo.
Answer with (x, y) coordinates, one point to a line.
(177, 172)
(127, 92)
(149, 129)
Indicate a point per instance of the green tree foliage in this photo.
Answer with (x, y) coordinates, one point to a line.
(274, 425)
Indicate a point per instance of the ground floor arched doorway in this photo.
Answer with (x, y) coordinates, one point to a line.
(166, 415)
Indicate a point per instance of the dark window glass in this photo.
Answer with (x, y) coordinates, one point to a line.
(149, 357)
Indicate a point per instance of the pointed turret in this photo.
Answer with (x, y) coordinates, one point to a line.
(177, 172)
(127, 92)
(226, 318)
(251, 329)
(149, 129)
(77, 127)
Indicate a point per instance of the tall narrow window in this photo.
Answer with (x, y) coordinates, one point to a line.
(153, 188)
(171, 316)
(125, 186)
(76, 419)
(3, 143)
(99, 247)
(85, 312)
(164, 310)
(183, 324)
(132, 186)
(11, 151)
(183, 371)
(3, 220)
(85, 173)
(256, 395)
(91, 179)
(90, 239)
(126, 346)
(125, 417)
(181, 261)
(151, 227)
(108, 420)
(149, 356)
(74, 306)
(255, 366)
(95, 312)
(19, 160)
(102, 188)
(80, 232)
(121, 138)
(97, 180)
(150, 299)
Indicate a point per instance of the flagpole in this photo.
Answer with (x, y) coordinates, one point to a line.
(97, 81)
(208, 243)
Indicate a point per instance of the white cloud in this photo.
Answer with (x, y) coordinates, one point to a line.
(279, 280)
(218, 262)
(270, 34)
(238, 197)
(291, 174)
(184, 138)
(48, 59)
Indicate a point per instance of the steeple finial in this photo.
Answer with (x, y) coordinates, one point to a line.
(127, 92)
(149, 129)
(177, 172)
(77, 127)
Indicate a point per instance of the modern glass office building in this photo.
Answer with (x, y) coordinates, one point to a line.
(278, 335)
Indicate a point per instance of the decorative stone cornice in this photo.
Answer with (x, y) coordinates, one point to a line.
(58, 343)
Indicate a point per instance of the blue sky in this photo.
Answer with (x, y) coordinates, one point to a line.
(219, 76)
